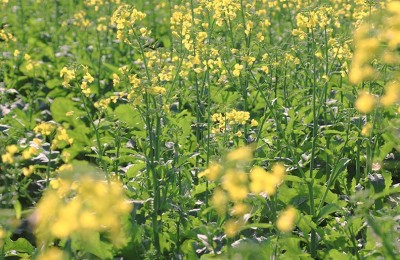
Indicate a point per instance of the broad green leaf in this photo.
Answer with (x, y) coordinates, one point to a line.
(20, 245)
(61, 106)
(92, 243)
(129, 115)
(328, 209)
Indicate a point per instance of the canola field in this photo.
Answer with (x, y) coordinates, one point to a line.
(199, 129)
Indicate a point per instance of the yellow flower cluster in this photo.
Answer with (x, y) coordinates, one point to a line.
(61, 136)
(125, 18)
(369, 40)
(53, 253)
(30, 64)
(365, 102)
(181, 23)
(234, 117)
(68, 75)
(87, 78)
(102, 104)
(45, 128)
(237, 69)
(223, 11)
(27, 171)
(266, 182)
(286, 219)
(8, 157)
(6, 36)
(71, 208)
(97, 3)
(377, 42)
(236, 184)
(32, 149)
(157, 90)
(80, 19)
(48, 129)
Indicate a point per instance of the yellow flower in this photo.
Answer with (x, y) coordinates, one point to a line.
(239, 209)
(45, 128)
(88, 77)
(219, 201)
(116, 79)
(253, 123)
(237, 69)
(238, 133)
(262, 181)
(28, 153)
(278, 170)
(7, 158)
(235, 183)
(286, 219)
(88, 220)
(365, 102)
(392, 94)
(70, 209)
(212, 172)
(28, 171)
(232, 227)
(68, 75)
(52, 253)
(157, 90)
(237, 117)
(366, 130)
(240, 154)
(12, 149)
(65, 167)
(264, 69)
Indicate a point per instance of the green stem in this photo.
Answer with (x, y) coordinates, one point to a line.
(97, 134)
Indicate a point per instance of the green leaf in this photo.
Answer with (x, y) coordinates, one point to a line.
(52, 83)
(111, 68)
(328, 209)
(20, 245)
(293, 178)
(335, 254)
(129, 115)
(306, 224)
(61, 106)
(385, 149)
(135, 169)
(92, 243)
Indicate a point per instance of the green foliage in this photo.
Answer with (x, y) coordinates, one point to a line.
(157, 113)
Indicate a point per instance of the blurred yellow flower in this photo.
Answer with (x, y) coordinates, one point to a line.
(232, 227)
(27, 171)
(235, 183)
(70, 209)
(240, 154)
(366, 129)
(219, 201)
(365, 102)
(286, 219)
(392, 94)
(52, 253)
(212, 172)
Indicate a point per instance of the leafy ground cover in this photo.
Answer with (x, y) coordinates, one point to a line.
(212, 129)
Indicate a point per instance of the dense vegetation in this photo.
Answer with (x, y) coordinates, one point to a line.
(227, 129)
